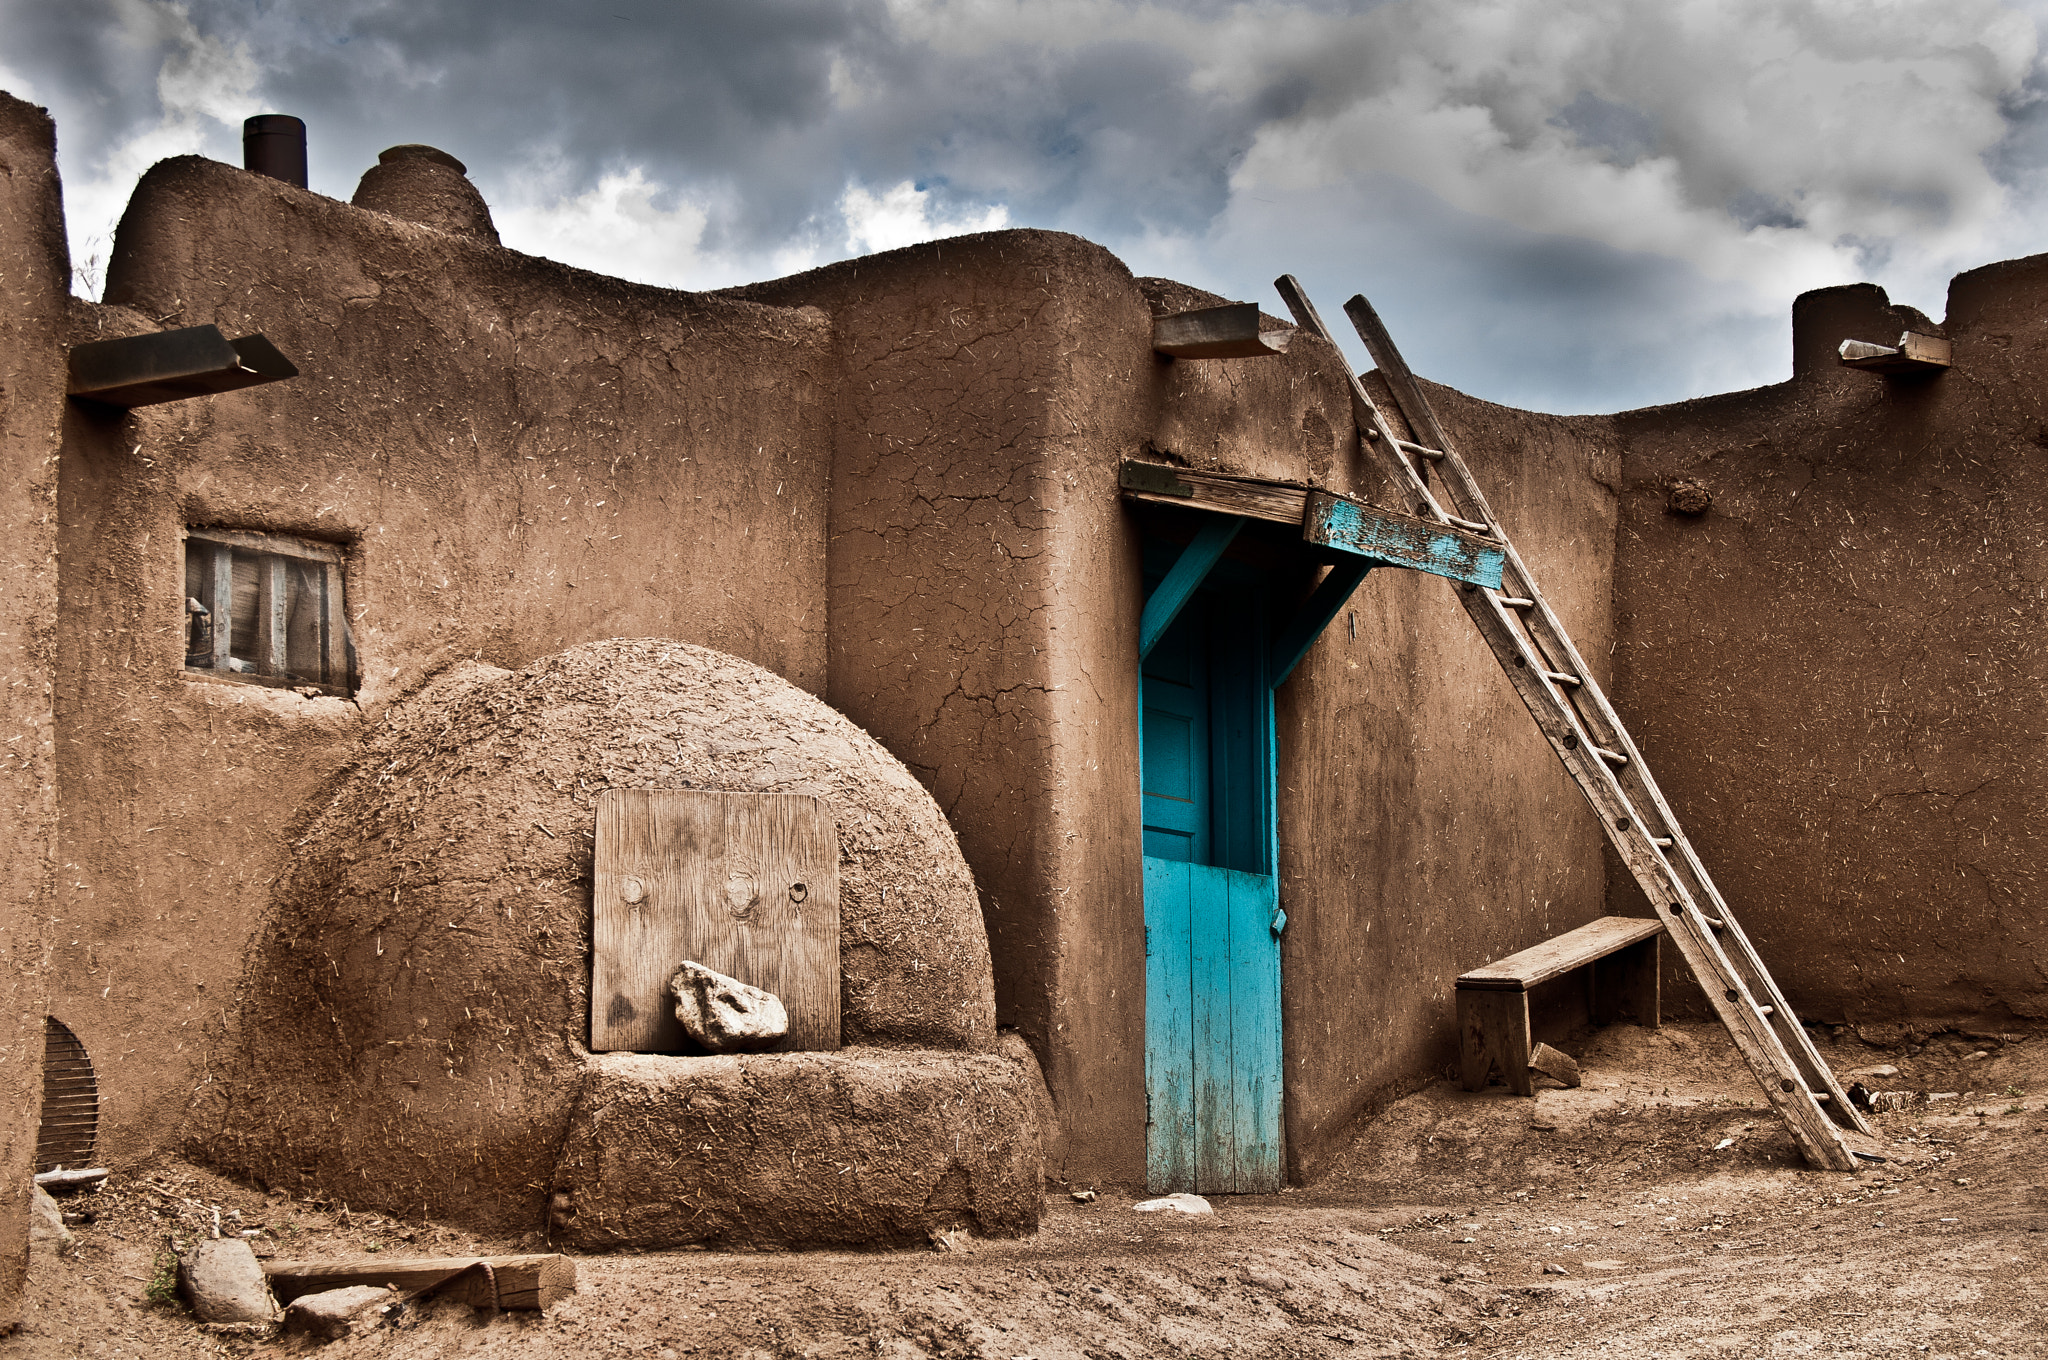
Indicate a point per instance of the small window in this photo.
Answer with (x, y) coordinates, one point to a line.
(267, 609)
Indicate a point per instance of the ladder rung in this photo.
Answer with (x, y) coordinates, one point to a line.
(1766, 1010)
(1516, 602)
(1475, 526)
(1713, 923)
(1611, 757)
(1662, 842)
(1423, 449)
(1560, 678)
(1820, 1097)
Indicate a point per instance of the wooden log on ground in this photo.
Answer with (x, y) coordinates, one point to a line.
(529, 1282)
(61, 1180)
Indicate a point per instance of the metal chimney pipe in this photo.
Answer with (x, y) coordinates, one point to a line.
(274, 144)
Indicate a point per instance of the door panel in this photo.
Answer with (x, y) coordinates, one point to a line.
(1212, 1029)
(1241, 817)
(1175, 741)
(1169, 1027)
(1210, 970)
(1254, 1034)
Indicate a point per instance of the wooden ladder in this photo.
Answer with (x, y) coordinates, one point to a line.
(1581, 726)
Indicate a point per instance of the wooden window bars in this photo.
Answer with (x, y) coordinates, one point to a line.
(267, 609)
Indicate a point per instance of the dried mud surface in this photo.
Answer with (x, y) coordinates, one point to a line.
(1436, 1233)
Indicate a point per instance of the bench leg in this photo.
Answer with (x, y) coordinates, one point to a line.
(1472, 1055)
(1628, 983)
(1493, 1032)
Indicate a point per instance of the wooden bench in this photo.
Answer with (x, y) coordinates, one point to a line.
(1493, 1002)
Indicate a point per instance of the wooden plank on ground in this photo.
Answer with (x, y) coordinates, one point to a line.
(527, 1282)
(1554, 958)
(61, 1179)
(744, 883)
(1164, 484)
(1402, 540)
(1227, 332)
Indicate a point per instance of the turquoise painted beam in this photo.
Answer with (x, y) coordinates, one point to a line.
(1308, 622)
(1397, 540)
(1163, 606)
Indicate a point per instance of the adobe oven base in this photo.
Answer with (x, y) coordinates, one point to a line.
(858, 1148)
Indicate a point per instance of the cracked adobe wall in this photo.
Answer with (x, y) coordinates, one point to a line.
(981, 594)
(35, 280)
(518, 457)
(1838, 670)
(985, 591)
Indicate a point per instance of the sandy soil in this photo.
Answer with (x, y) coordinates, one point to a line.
(1660, 1210)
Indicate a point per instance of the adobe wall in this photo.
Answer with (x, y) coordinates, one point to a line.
(1837, 671)
(1438, 832)
(35, 276)
(979, 581)
(985, 590)
(518, 457)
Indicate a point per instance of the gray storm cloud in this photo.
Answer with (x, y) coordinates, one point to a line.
(1601, 173)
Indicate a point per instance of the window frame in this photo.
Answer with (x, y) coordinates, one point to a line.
(274, 552)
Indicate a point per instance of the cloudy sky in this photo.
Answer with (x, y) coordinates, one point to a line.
(1569, 205)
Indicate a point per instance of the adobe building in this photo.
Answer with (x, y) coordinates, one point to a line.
(897, 488)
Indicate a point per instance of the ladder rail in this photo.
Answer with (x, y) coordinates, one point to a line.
(1572, 711)
(1589, 703)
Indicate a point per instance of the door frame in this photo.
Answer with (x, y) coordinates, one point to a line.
(1214, 1073)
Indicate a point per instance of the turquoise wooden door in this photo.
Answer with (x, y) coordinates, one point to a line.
(1212, 1029)
(1212, 965)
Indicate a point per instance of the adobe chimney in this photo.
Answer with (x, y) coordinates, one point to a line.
(274, 144)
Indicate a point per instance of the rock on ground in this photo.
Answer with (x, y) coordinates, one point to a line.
(224, 1282)
(329, 1314)
(46, 1230)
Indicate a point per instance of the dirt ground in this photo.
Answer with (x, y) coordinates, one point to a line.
(1659, 1210)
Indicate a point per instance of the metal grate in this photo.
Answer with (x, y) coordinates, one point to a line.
(71, 1101)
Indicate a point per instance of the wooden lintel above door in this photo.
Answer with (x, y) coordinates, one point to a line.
(1339, 523)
